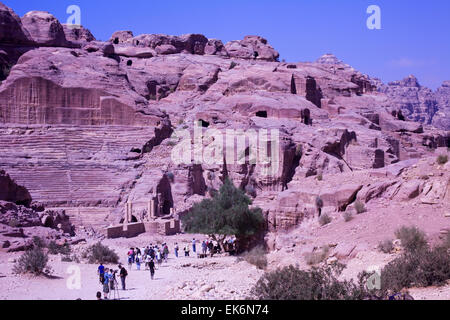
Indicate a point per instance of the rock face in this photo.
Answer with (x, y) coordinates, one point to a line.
(441, 118)
(10, 191)
(419, 103)
(19, 217)
(88, 125)
(77, 34)
(11, 29)
(44, 29)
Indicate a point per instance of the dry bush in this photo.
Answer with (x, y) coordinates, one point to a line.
(360, 207)
(442, 159)
(412, 238)
(348, 216)
(291, 283)
(420, 265)
(99, 253)
(32, 261)
(54, 248)
(324, 219)
(386, 246)
(316, 257)
(256, 256)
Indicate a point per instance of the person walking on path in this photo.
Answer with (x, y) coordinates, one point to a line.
(175, 249)
(101, 272)
(123, 276)
(147, 261)
(166, 252)
(130, 259)
(186, 251)
(138, 262)
(194, 245)
(151, 265)
(159, 257)
(204, 247)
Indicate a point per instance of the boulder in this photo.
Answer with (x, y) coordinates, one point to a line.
(77, 34)
(119, 37)
(12, 30)
(45, 29)
(434, 191)
(215, 47)
(134, 52)
(166, 49)
(252, 47)
(340, 197)
(10, 191)
(410, 189)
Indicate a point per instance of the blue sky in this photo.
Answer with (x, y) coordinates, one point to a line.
(414, 38)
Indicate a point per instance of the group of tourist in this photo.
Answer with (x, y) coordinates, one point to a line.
(152, 256)
(107, 278)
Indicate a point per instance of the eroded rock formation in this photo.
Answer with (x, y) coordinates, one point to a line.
(88, 125)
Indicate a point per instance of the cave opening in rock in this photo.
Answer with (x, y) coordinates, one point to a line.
(261, 114)
(116, 41)
(129, 63)
(293, 85)
(306, 116)
(313, 93)
(152, 90)
(291, 164)
(165, 199)
(133, 220)
(203, 123)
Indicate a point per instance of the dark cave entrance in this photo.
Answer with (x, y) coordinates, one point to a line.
(261, 114)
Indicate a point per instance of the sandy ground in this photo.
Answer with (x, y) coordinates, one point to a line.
(220, 277)
(224, 277)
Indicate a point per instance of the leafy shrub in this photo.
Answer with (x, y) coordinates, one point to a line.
(38, 242)
(54, 248)
(419, 266)
(291, 283)
(324, 219)
(233, 65)
(412, 238)
(442, 159)
(386, 246)
(313, 258)
(446, 241)
(67, 259)
(70, 258)
(32, 261)
(319, 177)
(99, 253)
(348, 216)
(256, 256)
(227, 213)
(359, 207)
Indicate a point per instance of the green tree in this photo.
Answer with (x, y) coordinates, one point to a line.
(227, 213)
